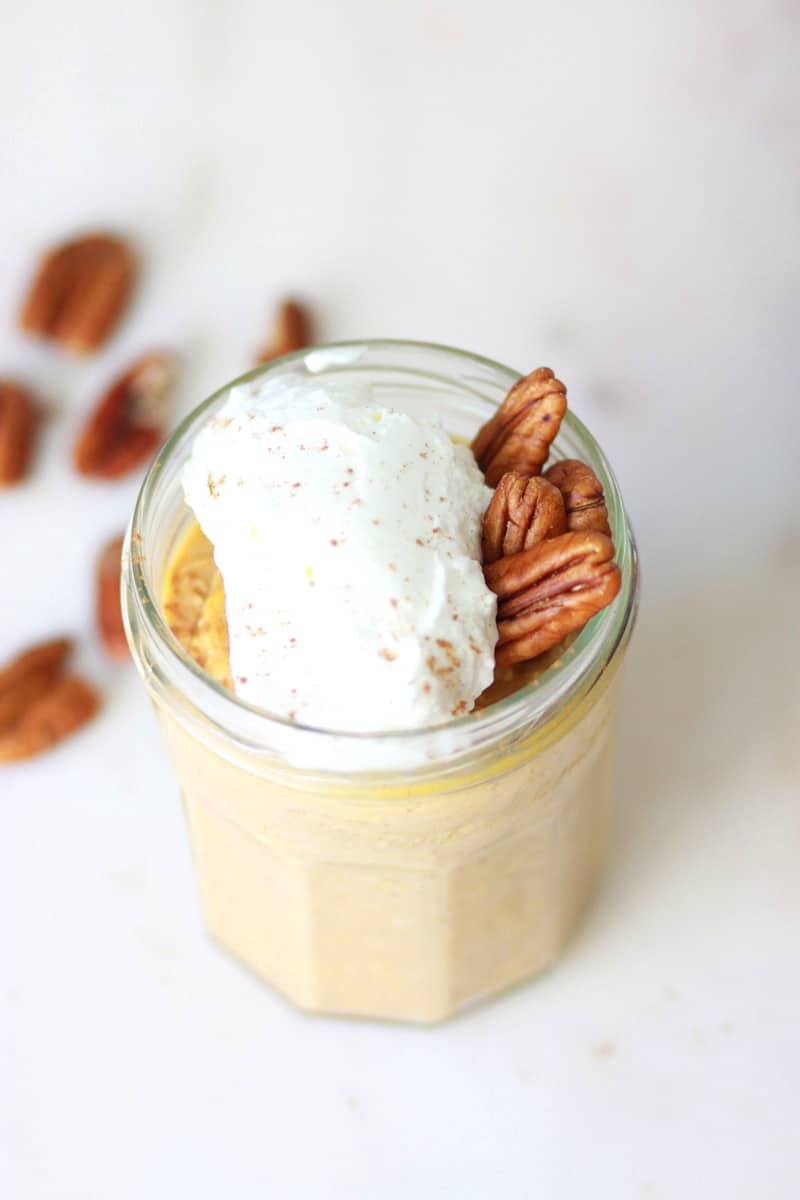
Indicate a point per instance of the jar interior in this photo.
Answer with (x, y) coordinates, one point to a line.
(464, 391)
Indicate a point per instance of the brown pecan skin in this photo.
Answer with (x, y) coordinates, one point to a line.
(584, 501)
(291, 330)
(522, 512)
(552, 590)
(518, 436)
(80, 291)
(19, 419)
(29, 676)
(126, 428)
(39, 705)
(109, 609)
(61, 710)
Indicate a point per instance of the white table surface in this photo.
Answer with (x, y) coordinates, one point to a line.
(614, 195)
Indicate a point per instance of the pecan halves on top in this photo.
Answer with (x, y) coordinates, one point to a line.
(79, 292)
(552, 590)
(518, 436)
(126, 428)
(521, 513)
(584, 501)
(291, 330)
(19, 418)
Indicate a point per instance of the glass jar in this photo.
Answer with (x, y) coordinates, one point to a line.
(401, 875)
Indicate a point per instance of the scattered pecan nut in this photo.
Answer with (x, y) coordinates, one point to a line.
(67, 705)
(518, 436)
(109, 609)
(39, 705)
(19, 418)
(80, 291)
(552, 590)
(522, 512)
(584, 501)
(291, 330)
(28, 677)
(127, 426)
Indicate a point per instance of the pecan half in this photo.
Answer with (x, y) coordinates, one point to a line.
(126, 428)
(584, 501)
(19, 418)
(38, 704)
(518, 436)
(80, 291)
(59, 711)
(550, 591)
(109, 610)
(291, 330)
(28, 677)
(521, 513)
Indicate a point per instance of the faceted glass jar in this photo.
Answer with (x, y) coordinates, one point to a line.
(402, 875)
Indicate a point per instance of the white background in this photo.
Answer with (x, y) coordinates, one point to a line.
(612, 190)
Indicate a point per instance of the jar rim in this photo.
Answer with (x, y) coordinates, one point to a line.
(588, 657)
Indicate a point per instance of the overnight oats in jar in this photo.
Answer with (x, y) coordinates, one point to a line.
(380, 593)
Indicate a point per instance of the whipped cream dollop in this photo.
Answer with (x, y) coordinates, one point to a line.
(347, 535)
